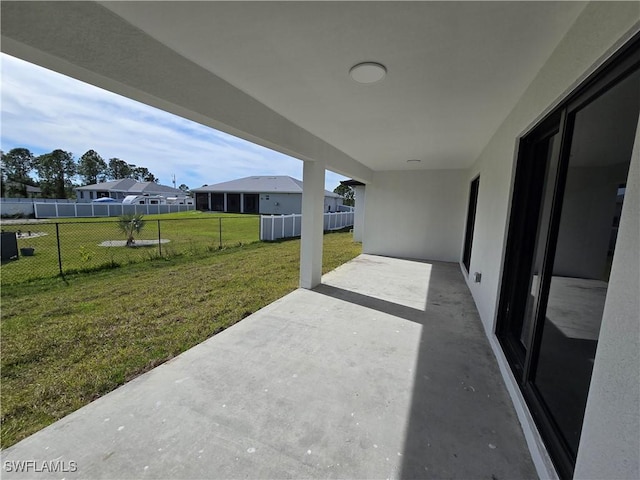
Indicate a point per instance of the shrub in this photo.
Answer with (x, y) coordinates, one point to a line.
(130, 225)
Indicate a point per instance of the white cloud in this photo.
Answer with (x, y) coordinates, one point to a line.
(43, 110)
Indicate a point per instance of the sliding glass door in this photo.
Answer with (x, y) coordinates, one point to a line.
(568, 194)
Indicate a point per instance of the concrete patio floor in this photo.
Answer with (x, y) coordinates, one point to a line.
(381, 372)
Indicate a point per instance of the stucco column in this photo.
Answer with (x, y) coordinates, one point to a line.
(610, 442)
(242, 203)
(358, 216)
(224, 208)
(209, 200)
(312, 224)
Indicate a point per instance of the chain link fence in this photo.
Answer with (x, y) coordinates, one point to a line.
(47, 249)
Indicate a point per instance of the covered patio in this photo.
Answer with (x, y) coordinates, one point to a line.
(382, 371)
(386, 368)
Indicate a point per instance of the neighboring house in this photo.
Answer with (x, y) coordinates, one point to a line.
(119, 189)
(499, 139)
(269, 195)
(32, 192)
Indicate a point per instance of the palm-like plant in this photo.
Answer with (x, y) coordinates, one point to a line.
(130, 225)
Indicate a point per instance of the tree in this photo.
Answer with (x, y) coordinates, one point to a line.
(56, 170)
(17, 165)
(119, 169)
(184, 188)
(3, 185)
(138, 173)
(91, 167)
(347, 194)
(130, 225)
(142, 174)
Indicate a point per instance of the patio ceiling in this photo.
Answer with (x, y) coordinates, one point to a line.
(455, 69)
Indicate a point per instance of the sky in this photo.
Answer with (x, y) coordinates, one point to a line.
(43, 111)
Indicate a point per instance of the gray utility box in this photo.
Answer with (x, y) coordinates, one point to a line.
(9, 246)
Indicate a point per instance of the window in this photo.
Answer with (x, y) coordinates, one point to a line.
(202, 201)
(217, 202)
(568, 195)
(471, 220)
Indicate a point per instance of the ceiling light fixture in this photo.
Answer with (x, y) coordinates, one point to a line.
(368, 72)
(413, 160)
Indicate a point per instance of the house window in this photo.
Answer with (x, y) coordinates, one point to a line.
(91, 195)
(233, 202)
(202, 201)
(567, 198)
(217, 202)
(471, 221)
(81, 194)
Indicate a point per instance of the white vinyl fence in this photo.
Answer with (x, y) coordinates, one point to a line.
(24, 206)
(273, 227)
(345, 208)
(55, 210)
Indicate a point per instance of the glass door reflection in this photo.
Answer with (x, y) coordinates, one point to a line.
(592, 196)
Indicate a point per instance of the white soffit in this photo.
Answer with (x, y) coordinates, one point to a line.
(454, 69)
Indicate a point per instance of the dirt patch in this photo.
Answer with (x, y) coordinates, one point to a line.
(138, 243)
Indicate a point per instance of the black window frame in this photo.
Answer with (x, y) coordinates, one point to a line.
(560, 120)
(471, 222)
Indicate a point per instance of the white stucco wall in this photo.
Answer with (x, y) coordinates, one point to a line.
(280, 203)
(359, 213)
(600, 28)
(610, 442)
(288, 203)
(417, 214)
(609, 447)
(332, 202)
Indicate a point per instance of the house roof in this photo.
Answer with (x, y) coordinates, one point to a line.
(29, 188)
(122, 185)
(259, 184)
(129, 185)
(352, 183)
(152, 187)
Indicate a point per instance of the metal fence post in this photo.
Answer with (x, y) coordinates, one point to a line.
(220, 230)
(59, 253)
(159, 240)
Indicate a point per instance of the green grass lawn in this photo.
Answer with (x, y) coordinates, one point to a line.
(66, 343)
(188, 233)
